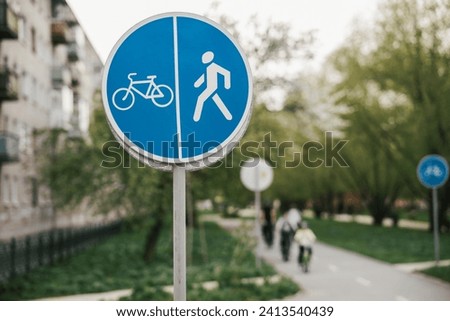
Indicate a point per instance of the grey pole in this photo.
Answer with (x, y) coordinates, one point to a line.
(436, 224)
(179, 233)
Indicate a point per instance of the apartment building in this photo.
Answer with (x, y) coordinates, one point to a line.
(49, 73)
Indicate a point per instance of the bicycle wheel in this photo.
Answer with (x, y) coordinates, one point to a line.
(162, 95)
(123, 99)
(306, 260)
(306, 267)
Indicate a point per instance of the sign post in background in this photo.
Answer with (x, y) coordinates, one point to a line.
(257, 176)
(177, 93)
(432, 172)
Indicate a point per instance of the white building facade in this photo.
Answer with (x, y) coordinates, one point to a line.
(49, 73)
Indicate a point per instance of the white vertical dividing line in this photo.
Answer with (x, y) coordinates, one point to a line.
(177, 86)
(179, 196)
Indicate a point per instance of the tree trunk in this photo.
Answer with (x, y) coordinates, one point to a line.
(377, 218)
(378, 209)
(152, 240)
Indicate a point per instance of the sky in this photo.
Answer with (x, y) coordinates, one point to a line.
(105, 21)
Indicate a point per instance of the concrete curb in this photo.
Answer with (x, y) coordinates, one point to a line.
(419, 266)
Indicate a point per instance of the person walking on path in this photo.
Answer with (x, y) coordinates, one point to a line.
(285, 231)
(268, 221)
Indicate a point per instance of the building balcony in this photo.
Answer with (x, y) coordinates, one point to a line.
(9, 147)
(8, 85)
(9, 21)
(60, 77)
(61, 11)
(76, 77)
(74, 52)
(60, 32)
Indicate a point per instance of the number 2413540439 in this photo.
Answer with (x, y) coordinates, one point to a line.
(304, 311)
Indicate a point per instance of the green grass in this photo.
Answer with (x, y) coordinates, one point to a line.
(417, 215)
(117, 264)
(392, 245)
(235, 291)
(442, 273)
(412, 215)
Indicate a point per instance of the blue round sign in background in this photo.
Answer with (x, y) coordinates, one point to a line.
(432, 171)
(177, 88)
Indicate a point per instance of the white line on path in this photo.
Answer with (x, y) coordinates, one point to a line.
(363, 281)
(333, 268)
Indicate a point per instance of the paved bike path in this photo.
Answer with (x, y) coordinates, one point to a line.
(337, 274)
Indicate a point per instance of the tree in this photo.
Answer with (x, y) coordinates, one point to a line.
(394, 78)
(270, 46)
(419, 30)
(108, 178)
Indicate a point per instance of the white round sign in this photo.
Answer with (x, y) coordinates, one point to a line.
(256, 175)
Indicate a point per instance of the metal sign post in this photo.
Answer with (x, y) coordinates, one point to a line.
(432, 172)
(435, 224)
(257, 176)
(177, 93)
(179, 233)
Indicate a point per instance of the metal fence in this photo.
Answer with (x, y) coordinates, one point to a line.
(19, 256)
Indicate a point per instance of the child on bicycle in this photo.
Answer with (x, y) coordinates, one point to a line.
(305, 238)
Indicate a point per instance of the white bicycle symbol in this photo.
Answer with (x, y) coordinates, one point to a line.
(433, 171)
(161, 95)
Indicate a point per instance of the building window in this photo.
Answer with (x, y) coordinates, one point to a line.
(22, 30)
(14, 126)
(33, 91)
(15, 191)
(34, 192)
(27, 85)
(23, 85)
(33, 39)
(5, 123)
(23, 137)
(6, 197)
(29, 140)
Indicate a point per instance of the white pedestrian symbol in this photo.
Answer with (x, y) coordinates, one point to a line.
(212, 72)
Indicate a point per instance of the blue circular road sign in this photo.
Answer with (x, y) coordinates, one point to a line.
(432, 171)
(177, 89)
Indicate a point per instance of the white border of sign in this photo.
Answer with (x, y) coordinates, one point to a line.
(192, 163)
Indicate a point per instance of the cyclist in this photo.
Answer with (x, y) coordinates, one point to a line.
(305, 238)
